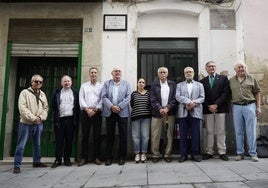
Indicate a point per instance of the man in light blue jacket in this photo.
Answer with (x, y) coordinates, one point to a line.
(116, 95)
(190, 95)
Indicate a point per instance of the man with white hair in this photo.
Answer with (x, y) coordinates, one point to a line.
(33, 108)
(116, 94)
(65, 107)
(163, 104)
(245, 107)
(190, 96)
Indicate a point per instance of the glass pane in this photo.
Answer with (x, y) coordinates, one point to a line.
(167, 44)
(177, 63)
(149, 65)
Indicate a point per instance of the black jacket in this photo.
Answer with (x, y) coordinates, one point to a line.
(219, 94)
(55, 104)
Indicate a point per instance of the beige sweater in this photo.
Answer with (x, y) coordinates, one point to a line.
(29, 108)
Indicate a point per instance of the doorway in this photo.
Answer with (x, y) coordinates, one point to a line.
(175, 54)
(51, 69)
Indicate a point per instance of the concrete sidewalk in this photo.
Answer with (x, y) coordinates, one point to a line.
(210, 173)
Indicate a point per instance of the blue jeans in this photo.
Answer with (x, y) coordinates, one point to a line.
(140, 134)
(245, 120)
(24, 131)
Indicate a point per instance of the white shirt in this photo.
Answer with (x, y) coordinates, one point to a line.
(115, 93)
(190, 88)
(164, 93)
(66, 102)
(90, 95)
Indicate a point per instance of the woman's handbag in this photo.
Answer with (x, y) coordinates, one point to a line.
(262, 146)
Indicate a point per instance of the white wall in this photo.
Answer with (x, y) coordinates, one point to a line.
(172, 18)
(169, 24)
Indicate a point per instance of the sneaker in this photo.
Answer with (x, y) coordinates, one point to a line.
(254, 158)
(137, 158)
(143, 158)
(239, 157)
(39, 165)
(16, 170)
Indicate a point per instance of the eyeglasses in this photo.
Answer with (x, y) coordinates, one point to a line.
(38, 82)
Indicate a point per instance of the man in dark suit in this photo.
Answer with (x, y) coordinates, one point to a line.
(163, 106)
(65, 107)
(215, 107)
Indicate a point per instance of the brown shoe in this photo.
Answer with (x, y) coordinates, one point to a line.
(97, 161)
(39, 165)
(82, 162)
(16, 170)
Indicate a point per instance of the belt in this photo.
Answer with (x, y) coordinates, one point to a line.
(66, 117)
(243, 103)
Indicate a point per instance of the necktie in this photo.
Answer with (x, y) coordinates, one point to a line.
(211, 80)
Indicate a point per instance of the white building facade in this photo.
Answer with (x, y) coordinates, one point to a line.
(138, 36)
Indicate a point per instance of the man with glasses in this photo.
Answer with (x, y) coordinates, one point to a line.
(116, 94)
(215, 108)
(190, 96)
(33, 109)
(163, 104)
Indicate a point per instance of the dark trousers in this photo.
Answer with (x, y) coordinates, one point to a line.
(193, 125)
(87, 122)
(122, 127)
(64, 134)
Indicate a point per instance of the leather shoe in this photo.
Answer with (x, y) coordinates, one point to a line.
(108, 162)
(155, 160)
(82, 162)
(56, 164)
(207, 156)
(121, 162)
(167, 159)
(67, 163)
(224, 157)
(39, 165)
(97, 161)
(182, 158)
(16, 170)
(196, 158)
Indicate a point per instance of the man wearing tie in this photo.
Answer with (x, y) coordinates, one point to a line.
(215, 107)
(190, 95)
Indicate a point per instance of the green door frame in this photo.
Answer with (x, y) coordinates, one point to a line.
(5, 94)
(5, 98)
(79, 69)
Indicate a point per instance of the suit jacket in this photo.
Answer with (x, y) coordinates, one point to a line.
(124, 96)
(219, 94)
(155, 98)
(55, 105)
(197, 96)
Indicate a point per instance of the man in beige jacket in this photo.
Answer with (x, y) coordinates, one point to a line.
(33, 108)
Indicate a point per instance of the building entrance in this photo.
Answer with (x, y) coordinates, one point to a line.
(51, 69)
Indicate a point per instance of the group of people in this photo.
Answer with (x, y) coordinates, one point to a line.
(167, 103)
